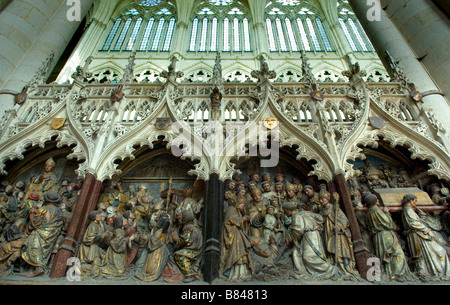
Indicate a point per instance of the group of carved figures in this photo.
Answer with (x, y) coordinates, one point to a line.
(285, 229)
(128, 233)
(34, 219)
(272, 230)
(132, 235)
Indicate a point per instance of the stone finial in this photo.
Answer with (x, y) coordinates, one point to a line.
(172, 74)
(81, 74)
(354, 71)
(263, 74)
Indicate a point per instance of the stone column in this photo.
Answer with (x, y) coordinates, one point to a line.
(212, 227)
(385, 36)
(86, 203)
(426, 29)
(29, 32)
(360, 250)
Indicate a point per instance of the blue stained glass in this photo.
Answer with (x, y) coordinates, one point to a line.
(148, 30)
(111, 35)
(158, 35)
(123, 34)
(194, 35)
(134, 34)
(169, 35)
(322, 32)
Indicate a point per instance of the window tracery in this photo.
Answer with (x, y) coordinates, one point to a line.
(288, 26)
(352, 28)
(149, 26)
(220, 26)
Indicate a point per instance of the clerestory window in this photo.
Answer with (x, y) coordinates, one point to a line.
(220, 25)
(291, 26)
(353, 30)
(150, 26)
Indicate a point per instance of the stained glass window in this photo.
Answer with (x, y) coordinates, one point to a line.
(283, 46)
(112, 34)
(358, 35)
(148, 30)
(272, 45)
(149, 2)
(247, 44)
(291, 35)
(123, 34)
(236, 36)
(214, 35)
(169, 35)
(134, 34)
(159, 29)
(193, 35)
(312, 32)
(353, 30)
(221, 28)
(282, 32)
(305, 41)
(324, 36)
(158, 35)
(226, 34)
(204, 34)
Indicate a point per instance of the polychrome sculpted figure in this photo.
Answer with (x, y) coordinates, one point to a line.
(91, 252)
(46, 181)
(188, 246)
(159, 262)
(116, 255)
(47, 223)
(337, 237)
(308, 253)
(385, 241)
(312, 204)
(257, 211)
(188, 204)
(290, 195)
(429, 257)
(272, 226)
(235, 259)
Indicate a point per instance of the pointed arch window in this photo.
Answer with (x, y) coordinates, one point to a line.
(123, 34)
(112, 34)
(214, 35)
(220, 26)
(169, 35)
(353, 30)
(284, 31)
(144, 29)
(134, 34)
(146, 39)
